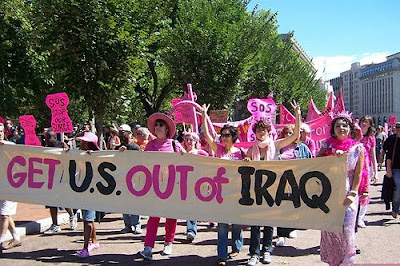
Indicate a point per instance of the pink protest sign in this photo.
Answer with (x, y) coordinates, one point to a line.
(188, 112)
(392, 120)
(60, 121)
(320, 129)
(261, 109)
(178, 111)
(28, 123)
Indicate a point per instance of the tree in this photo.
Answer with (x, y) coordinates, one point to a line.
(207, 45)
(92, 46)
(279, 69)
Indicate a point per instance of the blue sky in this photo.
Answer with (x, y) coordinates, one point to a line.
(337, 33)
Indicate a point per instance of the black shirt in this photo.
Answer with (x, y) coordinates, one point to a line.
(389, 144)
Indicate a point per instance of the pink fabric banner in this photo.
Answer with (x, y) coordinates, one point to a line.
(285, 116)
(313, 112)
(320, 129)
(60, 121)
(28, 123)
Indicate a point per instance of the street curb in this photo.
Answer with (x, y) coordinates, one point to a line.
(37, 227)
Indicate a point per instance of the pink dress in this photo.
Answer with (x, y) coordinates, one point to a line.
(339, 248)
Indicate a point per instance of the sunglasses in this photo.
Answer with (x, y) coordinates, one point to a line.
(226, 135)
(159, 125)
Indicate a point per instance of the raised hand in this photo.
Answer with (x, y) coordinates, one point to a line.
(296, 107)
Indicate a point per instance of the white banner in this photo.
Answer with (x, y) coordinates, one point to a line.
(305, 194)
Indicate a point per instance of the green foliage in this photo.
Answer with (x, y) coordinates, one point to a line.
(122, 60)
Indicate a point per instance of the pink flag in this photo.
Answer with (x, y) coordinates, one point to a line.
(339, 104)
(285, 116)
(329, 105)
(313, 112)
(28, 123)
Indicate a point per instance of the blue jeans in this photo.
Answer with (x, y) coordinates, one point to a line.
(237, 239)
(131, 220)
(191, 226)
(255, 240)
(396, 193)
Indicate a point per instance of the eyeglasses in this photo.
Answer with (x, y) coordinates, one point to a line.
(226, 135)
(159, 125)
(189, 139)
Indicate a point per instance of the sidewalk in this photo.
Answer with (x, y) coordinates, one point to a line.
(34, 219)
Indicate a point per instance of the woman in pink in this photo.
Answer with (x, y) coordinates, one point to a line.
(369, 142)
(339, 248)
(163, 127)
(191, 143)
(226, 150)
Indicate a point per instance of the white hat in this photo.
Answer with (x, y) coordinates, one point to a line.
(125, 127)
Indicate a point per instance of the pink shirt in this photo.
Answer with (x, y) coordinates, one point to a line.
(163, 145)
(287, 153)
(369, 144)
(236, 155)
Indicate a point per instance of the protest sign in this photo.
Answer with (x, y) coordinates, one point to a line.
(297, 193)
(392, 120)
(60, 121)
(28, 123)
(261, 109)
(178, 111)
(218, 116)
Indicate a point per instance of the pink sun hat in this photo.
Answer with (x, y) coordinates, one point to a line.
(160, 116)
(89, 137)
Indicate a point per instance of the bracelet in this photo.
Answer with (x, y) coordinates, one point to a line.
(352, 198)
(355, 193)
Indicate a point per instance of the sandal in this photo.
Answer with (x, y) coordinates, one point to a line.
(11, 244)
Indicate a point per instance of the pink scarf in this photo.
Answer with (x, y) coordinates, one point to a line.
(270, 152)
(345, 145)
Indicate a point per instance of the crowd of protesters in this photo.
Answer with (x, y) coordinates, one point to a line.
(367, 150)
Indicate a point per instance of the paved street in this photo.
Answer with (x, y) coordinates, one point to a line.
(379, 243)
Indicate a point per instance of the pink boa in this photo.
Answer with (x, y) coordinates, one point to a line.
(345, 145)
